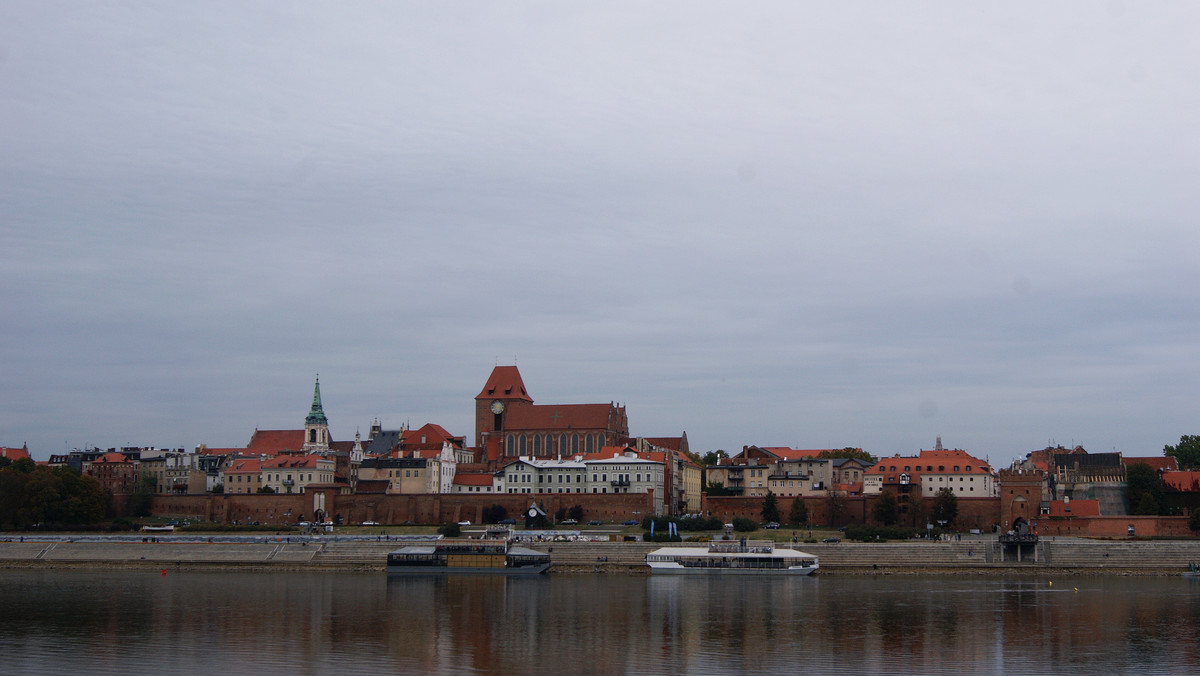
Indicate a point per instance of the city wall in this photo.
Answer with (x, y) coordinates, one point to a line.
(973, 513)
(391, 509)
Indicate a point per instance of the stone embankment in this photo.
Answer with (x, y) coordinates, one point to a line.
(977, 555)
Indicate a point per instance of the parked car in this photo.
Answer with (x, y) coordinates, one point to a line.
(570, 522)
(832, 539)
(507, 522)
(593, 523)
(772, 525)
(370, 523)
(464, 523)
(631, 522)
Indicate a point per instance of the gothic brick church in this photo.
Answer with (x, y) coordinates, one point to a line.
(508, 424)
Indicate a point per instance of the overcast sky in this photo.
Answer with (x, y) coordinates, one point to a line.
(796, 224)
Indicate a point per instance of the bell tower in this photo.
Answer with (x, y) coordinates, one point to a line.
(316, 426)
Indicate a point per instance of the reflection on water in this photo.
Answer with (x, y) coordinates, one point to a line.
(110, 622)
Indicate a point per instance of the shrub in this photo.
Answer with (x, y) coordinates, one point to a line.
(450, 530)
(743, 525)
(879, 533)
(494, 514)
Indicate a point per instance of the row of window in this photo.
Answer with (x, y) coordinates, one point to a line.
(601, 489)
(566, 478)
(928, 468)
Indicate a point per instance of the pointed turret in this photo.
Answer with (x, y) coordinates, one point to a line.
(316, 414)
(316, 425)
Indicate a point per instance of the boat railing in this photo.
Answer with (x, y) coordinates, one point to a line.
(742, 547)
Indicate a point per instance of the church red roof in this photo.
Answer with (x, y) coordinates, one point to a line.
(273, 442)
(504, 383)
(560, 417)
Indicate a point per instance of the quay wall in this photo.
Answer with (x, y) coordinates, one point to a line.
(984, 556)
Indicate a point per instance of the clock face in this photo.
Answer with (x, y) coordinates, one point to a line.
(532, 512)
(497, 407)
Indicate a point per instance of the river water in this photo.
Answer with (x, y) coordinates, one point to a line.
(107, 622)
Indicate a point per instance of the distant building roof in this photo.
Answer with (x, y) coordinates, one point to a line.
(1183, 482)
(1161, 463)
(14, 453)
(274, 442)
(463, 479)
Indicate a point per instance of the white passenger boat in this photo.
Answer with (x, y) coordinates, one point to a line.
(493, 557)
(740, 557)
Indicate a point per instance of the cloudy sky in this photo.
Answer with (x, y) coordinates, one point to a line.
(791, 224)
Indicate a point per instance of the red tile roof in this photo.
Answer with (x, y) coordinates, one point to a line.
(428, 435)
(1165, 463)
(291, 461)
(504, 383)
(13, 453)
(247, 465)
(110, 457)
(463, 479)
(220, 451)
(272, 442)
(1184, 482)
(560, 417)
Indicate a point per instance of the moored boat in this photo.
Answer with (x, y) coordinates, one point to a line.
(740, 557)
(494, 557)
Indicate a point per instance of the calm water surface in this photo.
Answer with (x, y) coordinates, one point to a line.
(318, 623)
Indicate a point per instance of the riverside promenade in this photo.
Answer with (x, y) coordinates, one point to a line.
(978, 555)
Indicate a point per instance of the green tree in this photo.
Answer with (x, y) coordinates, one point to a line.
(716, 490)
(945, 507)
(798, 514)
(849, 452)
(1194, 520)
(770, 508)
(450, 530)
(1186, 453)
(1144, 490)
(140, 500)
(743, 525)
(885, 509)
(710, 458)
(494, 514)
(835, 507)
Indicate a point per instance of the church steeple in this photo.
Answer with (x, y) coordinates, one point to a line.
(316, 414)
(316, 425)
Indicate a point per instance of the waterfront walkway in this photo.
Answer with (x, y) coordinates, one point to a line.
(981, 555)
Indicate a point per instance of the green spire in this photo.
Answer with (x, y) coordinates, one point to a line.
(316, 414)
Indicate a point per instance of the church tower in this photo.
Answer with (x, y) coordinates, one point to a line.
(316, 426)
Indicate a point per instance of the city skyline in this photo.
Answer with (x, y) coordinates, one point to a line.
(785, 224)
